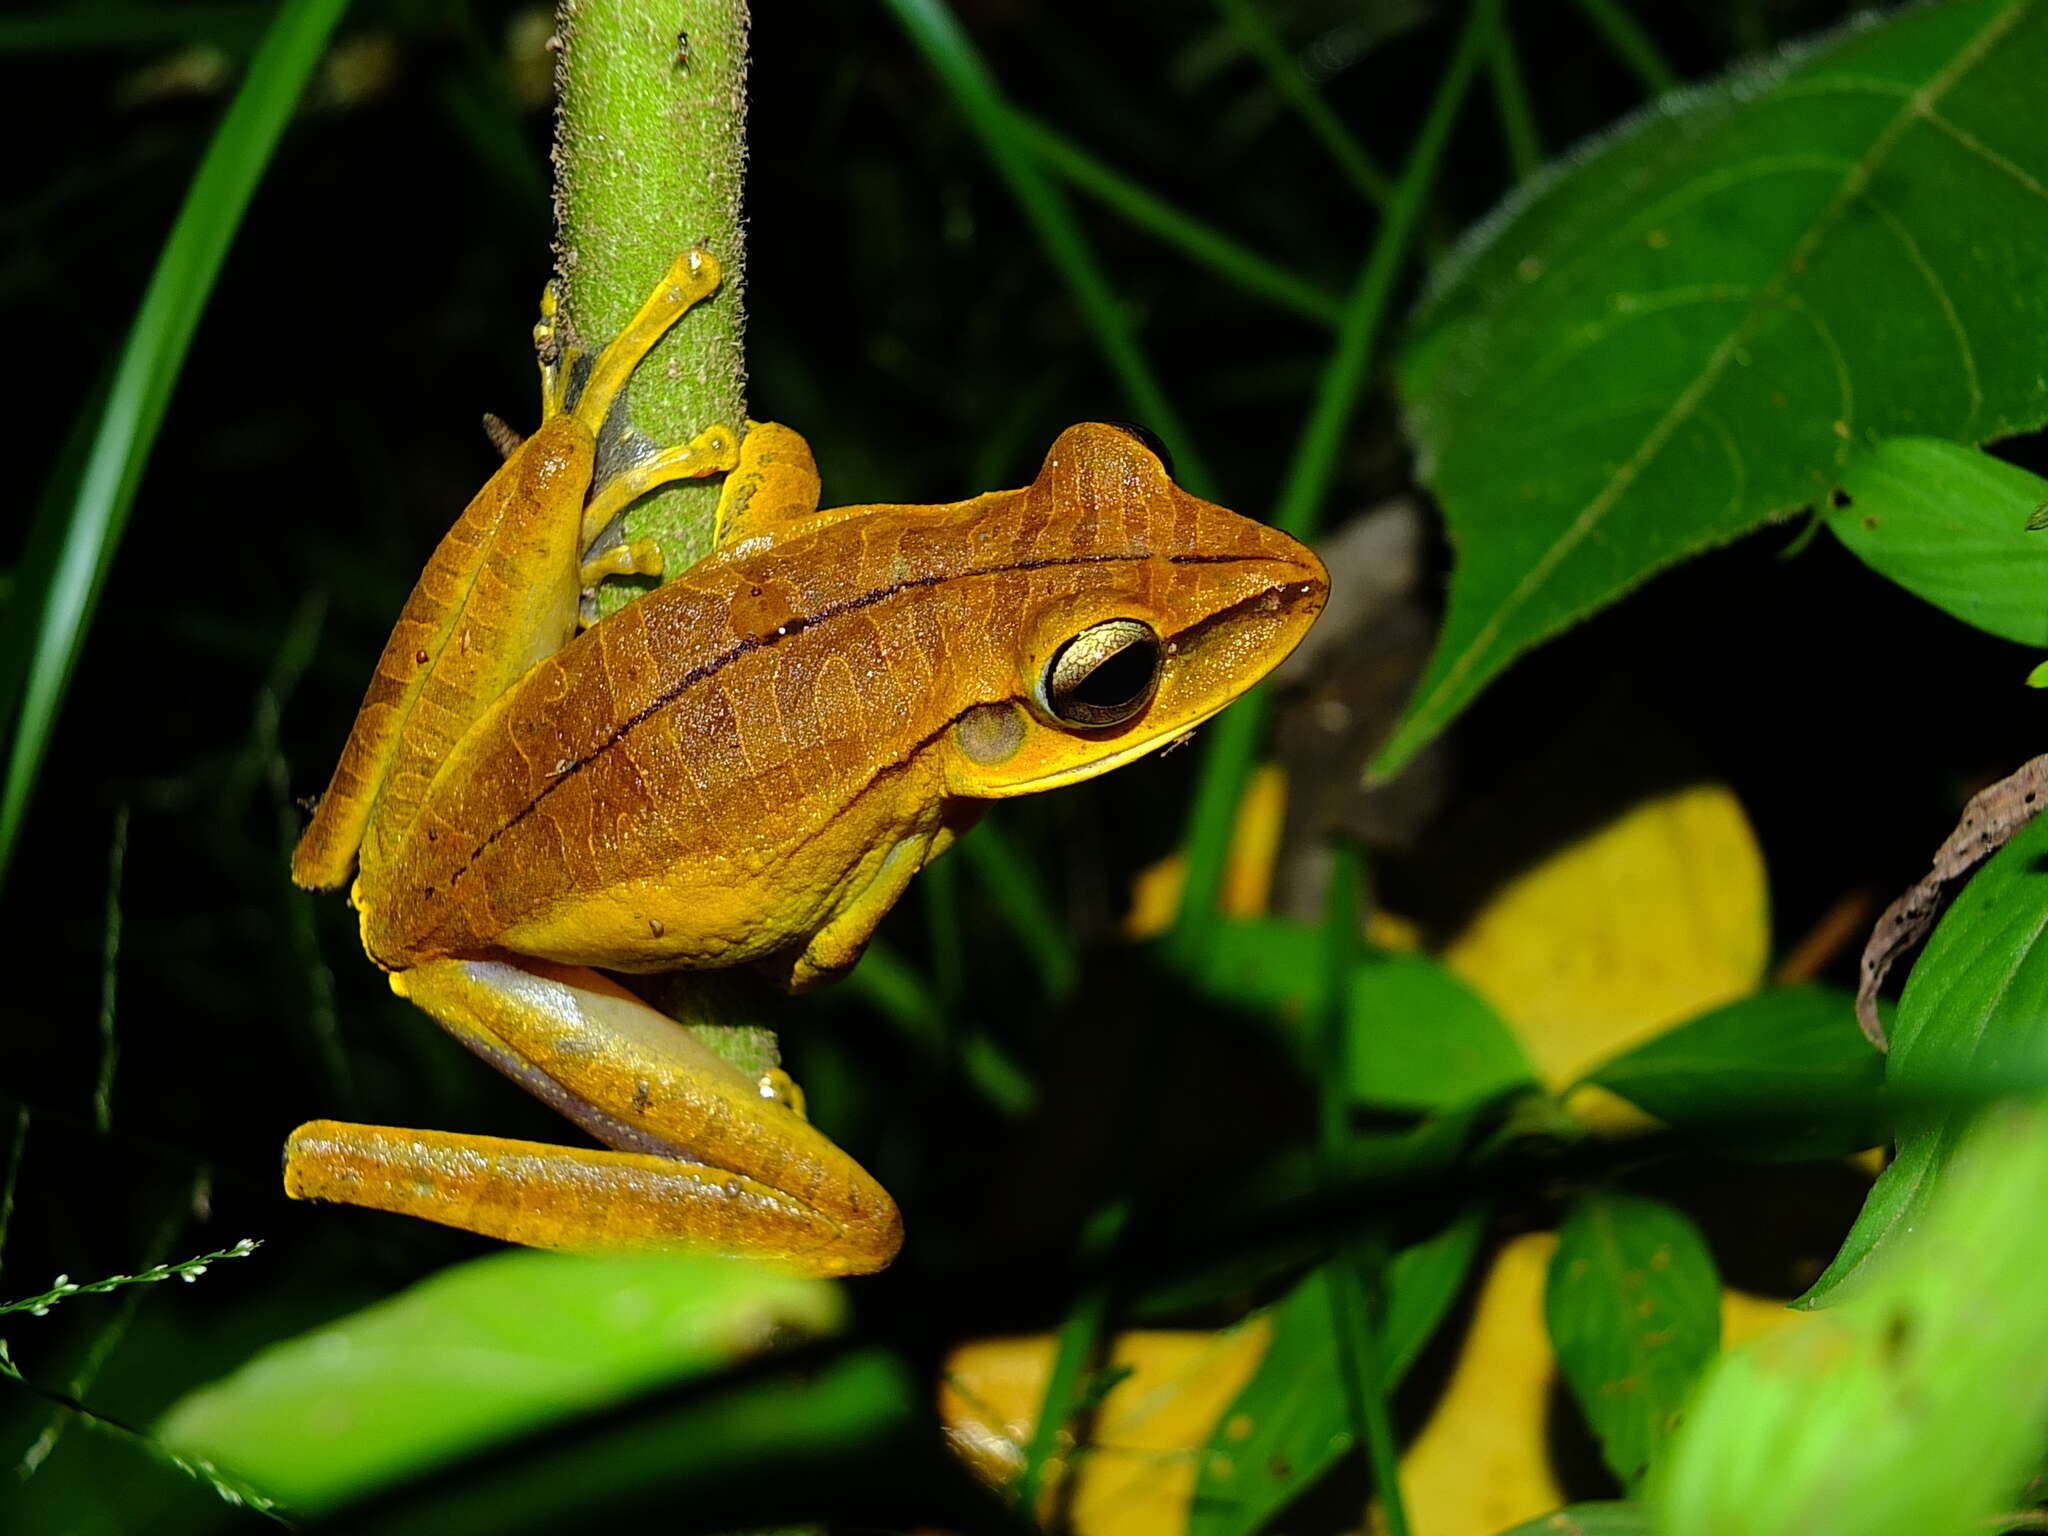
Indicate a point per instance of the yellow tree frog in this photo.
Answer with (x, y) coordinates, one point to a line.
(743, 767)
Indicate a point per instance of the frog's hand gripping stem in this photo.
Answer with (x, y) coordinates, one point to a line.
(703, 1158)
(503, 588)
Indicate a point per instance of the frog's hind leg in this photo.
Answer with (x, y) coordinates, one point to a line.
(701, 1157)
(498, 593)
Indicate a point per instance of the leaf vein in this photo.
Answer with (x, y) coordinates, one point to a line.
(1919, 105)
(1918, 257)
(1990, 156)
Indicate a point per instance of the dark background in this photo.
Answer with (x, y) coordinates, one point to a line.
(902, 316)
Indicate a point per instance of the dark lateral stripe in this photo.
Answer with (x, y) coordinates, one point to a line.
(716, 664)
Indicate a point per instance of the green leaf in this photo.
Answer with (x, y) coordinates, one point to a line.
(1607, 1519)
(1973, 1023)
(1633, 1304)
(1781, 1076)
(1422, 1039)
(1916, 1408)
(1949, 524)
(479, 1353)
(1290, 1424)
(77, 533)
(1417, 1036)
(1690, 327)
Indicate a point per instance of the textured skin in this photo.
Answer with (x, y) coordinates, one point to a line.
(716, 772)
(512, 555)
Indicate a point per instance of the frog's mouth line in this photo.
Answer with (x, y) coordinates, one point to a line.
(796, 625)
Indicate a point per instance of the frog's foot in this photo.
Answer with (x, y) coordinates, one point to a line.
(702, 1156)
(636, 557)
(711, 452)
(691, 278)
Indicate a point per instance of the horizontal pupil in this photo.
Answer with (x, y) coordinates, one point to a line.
(1117, 679)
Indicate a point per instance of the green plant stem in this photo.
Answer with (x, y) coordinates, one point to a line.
(78, 533)
(1199, 242)
(649, 156)
(1285, 73)
(932, 27)
(1631, 43)
(1234, 741)
(1511, 99)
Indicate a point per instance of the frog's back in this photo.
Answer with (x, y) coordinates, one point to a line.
(694, 781)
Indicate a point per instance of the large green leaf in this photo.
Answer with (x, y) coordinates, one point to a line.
(479, 1353)
(1950, 524)
(1291, 1422)
(1973, 1023)
(1693, 326)
(1781, 1076)
(1633, 1303)
(1918, 1407)
(1416, 1037)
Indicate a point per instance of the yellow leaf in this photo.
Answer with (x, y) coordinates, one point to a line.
(1479, 1466)
(1136, 1474)
(1481, 1463)
(1658, 915)
(1247, 872)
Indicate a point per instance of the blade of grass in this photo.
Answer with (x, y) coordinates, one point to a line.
(1257, 33)
(62, 29)
(941, 892)
(110, 970)
(225, 1486)
(1080, 1342)
(937, 34)
(1631, 43)
(1019, 896)
(13, 1179)
(323, 1017)
(1234, 741)
(108, 1339)
(1199, 242)
(479, 101)
(893, 987)
(1511, 98)
(1358, 1279)
(151, 361)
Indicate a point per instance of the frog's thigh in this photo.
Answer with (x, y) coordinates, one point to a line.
(701, 1158)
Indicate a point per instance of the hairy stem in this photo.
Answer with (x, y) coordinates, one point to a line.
(650, 155)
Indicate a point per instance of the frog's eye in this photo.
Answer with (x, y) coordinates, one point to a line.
(1104, 675)
(1149, 439)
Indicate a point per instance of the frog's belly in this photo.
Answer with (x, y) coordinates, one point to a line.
(704, 914)
(685, 920)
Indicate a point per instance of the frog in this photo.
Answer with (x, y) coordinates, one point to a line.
(743, 766)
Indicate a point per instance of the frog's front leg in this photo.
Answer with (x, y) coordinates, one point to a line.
(702, 1157)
